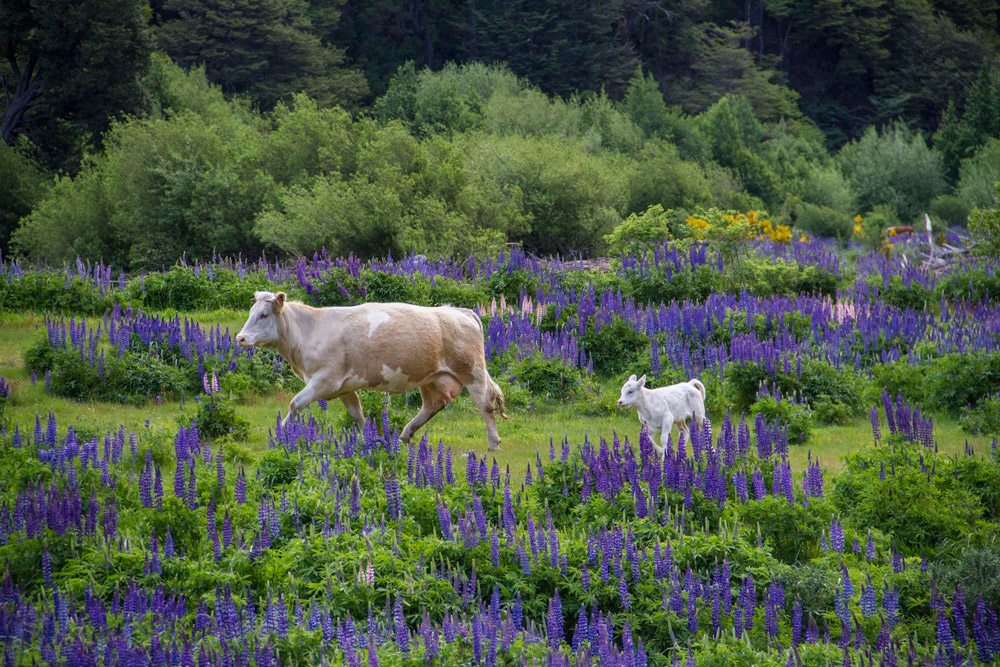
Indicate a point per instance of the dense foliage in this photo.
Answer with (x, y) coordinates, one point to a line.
(326, 124)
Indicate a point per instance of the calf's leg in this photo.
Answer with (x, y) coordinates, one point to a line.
(665, 428)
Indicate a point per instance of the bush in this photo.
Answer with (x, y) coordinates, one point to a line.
(794, 417)
(974, 569)
(957, 380)
(640, 232)
(659, 287)
(889, 489)
(822, 221)
(976, 285)
(788, 528)
(390, 287)
(614, 347)
(337, 288)
(983, 419)
(978, 176)
(45, 291)
(276, 468)
(181, 288)
(217, 418)
(548, 378)
(818, 382)
(894, 167)
(952, 210)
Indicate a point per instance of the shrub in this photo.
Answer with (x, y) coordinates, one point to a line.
(975, 569)
(390, 287)
(794, 417)
(818, 382)
(548, 378)
(337, 288)
(957, 380)
(509, 284)
(889, 489)
(952, 210)
(789, 528)
(982, 419)
(978, 176)
(277, 468)
(894, 167)
(640, 232)
(217, 418)
(822, 221)
(659, 287)
(614, 347)
(44, 291)
(969, 285)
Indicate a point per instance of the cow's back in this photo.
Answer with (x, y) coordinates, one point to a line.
(392, 346)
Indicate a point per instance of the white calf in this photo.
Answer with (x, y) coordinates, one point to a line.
(659, 409)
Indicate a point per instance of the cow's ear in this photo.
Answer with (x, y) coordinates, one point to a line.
(632, 378)
(642, 381)
(279, 301)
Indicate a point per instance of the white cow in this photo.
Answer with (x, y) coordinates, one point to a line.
(392, 347)
(659, 409)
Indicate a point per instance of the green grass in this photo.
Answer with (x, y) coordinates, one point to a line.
(459, 425)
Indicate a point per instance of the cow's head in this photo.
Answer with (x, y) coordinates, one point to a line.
(630, 390)
(261, 327)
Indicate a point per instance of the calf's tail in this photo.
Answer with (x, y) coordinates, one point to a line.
(699, 386)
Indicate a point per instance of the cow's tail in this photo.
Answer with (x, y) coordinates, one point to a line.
(496, 399)
(699, 386)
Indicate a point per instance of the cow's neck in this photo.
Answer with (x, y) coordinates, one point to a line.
(289, 334)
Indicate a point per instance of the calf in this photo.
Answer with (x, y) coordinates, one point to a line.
(659, 409)
(391, 347)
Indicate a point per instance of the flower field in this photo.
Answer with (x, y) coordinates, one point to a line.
(185, 526)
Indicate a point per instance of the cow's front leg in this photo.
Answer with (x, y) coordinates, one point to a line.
(317, 387)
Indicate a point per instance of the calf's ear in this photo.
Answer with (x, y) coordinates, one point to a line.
(631, 378)
(279, 301)
(642, 381)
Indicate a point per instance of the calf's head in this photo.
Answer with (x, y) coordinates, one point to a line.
(261, 327)
(630, 390)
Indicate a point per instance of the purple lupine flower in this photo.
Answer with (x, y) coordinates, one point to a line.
(402, 631)
(944, 635)
(869, 605)
(870, 547)
(554, 621)
(240, 490)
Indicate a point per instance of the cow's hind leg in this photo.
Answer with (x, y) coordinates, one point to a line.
(434, 396)
(353, 405)
(482, 395)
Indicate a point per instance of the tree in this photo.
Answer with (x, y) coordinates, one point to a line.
(70, 67)
(722, 66)
(266, 49)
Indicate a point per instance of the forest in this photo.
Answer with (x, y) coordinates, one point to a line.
(219, 128)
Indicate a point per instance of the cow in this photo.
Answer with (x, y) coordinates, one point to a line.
(659, 409)
(389, 347)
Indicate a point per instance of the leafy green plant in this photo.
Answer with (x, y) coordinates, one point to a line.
(614, 347)
(217, 418)
(793, 416)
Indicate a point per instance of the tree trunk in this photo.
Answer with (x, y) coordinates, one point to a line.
(20, 100)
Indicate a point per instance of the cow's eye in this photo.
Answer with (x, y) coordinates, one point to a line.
(263, 316)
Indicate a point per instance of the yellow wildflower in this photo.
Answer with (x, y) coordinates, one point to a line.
(857, 218)
(857, 229)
